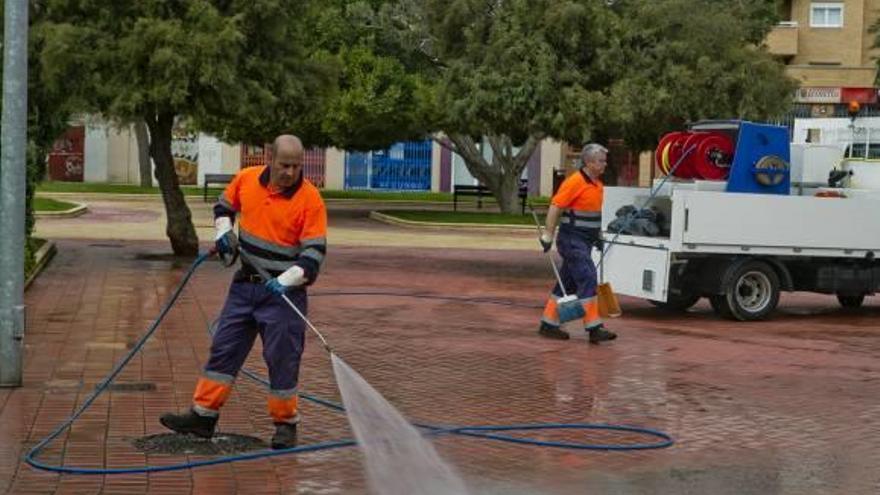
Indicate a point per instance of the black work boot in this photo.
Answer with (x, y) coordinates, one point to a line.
(190, 422)
(600, 334)
(284, 437)
(552, 332)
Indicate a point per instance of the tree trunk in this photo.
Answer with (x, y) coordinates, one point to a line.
(503, 174)
(506, 186)
(144, 165)
(180, 230)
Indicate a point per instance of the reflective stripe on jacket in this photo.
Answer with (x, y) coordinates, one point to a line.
(278, 229)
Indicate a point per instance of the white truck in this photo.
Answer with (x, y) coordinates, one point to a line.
(741, 249)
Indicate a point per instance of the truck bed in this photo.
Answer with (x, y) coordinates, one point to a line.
(736, 223)
(702, 223)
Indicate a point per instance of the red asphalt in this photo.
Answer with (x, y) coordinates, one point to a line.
(787, 406)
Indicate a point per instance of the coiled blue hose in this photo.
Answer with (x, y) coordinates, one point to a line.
(486, 431)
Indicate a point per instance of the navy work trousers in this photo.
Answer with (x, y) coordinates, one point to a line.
(578, 272)
(252, 309)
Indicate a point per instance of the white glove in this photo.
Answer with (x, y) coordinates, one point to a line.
(222, 225)
(546, 240)
(293, 276)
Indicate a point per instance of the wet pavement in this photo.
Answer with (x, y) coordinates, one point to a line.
(448, 335)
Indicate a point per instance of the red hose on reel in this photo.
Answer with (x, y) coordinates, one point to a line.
(710, 160)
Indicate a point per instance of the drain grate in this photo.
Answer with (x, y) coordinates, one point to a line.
(106, 245)
(221, 443)
(132, 387)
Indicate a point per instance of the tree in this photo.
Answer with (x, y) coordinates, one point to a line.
(379, 91)
(517, 71)
(235, 68)
(47, 118)
(674, 67)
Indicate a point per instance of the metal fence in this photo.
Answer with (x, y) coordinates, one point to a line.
(402, 167)
(314, 164)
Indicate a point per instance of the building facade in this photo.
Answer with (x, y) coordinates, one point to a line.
(828, 47)
(93, 150)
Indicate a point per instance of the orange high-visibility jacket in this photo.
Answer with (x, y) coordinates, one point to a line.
(277, 229)
(580, 198)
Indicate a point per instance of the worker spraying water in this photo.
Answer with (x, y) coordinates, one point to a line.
(283, 228)
(282, 243)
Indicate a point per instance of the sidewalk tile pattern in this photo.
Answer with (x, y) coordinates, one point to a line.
(789, 406)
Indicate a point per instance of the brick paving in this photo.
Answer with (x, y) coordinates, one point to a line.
(788, 406)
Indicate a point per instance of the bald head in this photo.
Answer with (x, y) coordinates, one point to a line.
(287, 161)
(287, 142)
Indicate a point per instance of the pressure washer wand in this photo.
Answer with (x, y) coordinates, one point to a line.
(312, 327)
(267, 277)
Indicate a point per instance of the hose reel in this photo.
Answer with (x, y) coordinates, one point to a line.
(711, 159)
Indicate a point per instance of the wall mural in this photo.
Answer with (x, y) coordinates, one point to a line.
(65, 160)
(185, 150)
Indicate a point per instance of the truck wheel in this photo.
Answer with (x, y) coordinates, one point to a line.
(851, 301)
(753, 291)
(677, 302)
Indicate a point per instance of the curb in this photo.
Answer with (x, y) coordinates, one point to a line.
(79, 209)
(382, 217)
(41, 259)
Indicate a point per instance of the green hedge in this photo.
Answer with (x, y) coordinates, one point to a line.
(36, 170)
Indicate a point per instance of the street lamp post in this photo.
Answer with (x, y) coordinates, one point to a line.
(13, 139)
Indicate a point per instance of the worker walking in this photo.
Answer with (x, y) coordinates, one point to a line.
(283, 228)
(578, 203)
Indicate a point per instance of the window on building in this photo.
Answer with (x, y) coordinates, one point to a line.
(826, 15)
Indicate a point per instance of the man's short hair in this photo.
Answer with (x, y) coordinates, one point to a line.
(591, 151)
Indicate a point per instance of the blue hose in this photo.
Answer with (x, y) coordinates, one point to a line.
(489, 432)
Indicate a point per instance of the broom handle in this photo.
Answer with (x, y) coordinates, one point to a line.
(556, 272)
(549, 254)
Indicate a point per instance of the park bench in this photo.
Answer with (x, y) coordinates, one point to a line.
(481, 191)
(216, 179)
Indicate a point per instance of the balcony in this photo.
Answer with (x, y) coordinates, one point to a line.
(783, 39)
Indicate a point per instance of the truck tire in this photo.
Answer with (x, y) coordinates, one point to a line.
(850, 300)
(751, 292)
(677, 302)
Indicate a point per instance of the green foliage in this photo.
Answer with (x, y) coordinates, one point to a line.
(519, 68)
(47, 116)
(674, 66)
(579, 69)
(241, 70)
(29, 257)
(234, 68)
(49, 204)
(379, 92)
(213, 192)
(463, 217)
(375, 103)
